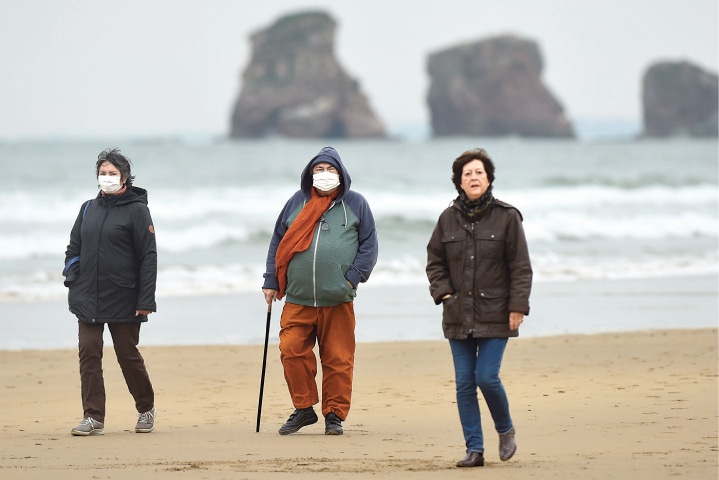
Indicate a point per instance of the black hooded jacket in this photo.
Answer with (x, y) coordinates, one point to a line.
(116, 271)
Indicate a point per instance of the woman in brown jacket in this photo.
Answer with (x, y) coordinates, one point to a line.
(479, 270)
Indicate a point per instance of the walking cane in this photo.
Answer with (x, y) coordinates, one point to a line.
(264, 365)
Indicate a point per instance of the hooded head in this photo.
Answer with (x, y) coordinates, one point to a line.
(326, 155)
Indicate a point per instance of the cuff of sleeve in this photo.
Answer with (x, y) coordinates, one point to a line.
(271, 282)
(519, 307)
(353, 278)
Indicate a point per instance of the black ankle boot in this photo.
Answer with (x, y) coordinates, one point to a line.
(473, 459)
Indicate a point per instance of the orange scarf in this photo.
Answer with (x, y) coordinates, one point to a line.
(298, 237)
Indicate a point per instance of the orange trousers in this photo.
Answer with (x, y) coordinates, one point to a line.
(333, 329)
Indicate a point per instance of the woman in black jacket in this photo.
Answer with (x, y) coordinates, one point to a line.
(111, 271)
(479, 270)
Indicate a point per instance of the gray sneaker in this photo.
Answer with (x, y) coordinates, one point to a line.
(507, 445)
(89, 426)
(146, 421)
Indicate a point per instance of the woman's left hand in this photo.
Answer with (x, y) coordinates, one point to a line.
(142, 312)
(515, 320)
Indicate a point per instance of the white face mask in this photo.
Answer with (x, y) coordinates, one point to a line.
(325, 181)
(109, 183)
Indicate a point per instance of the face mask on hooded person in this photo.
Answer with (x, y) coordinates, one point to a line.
(325, 181)
(109, 183)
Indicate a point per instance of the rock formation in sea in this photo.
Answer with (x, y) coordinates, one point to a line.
(295, 87)
(493, 87)
(679, 99)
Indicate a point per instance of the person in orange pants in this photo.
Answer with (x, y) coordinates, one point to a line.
(323, 246)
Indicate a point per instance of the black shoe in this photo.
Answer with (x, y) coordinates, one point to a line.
(301, 417)
(333, 424)
(473, 459)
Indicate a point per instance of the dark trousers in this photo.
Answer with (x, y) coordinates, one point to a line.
(125, 338)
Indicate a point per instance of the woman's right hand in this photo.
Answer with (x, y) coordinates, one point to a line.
(270, 295)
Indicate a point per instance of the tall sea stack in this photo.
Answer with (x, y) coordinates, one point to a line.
(295, 87)
(679, 99)
(493, 88)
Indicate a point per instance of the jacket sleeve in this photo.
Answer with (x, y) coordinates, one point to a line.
(437, 268)
(368, 250)
(146, 251)
(72, 253)
(520, 267)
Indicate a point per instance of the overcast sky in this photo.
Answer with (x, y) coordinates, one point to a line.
(86, 68)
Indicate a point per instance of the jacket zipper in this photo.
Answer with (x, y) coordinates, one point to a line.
(314, 264)
(314, 256)
(97, 264)
(474, 246)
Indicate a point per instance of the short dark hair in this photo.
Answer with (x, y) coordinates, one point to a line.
(120, 162)
(466, 157)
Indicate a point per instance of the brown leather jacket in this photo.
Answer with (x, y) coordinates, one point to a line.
(484, 266)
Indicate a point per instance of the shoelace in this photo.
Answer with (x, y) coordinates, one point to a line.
(145, 417)
(88, 421)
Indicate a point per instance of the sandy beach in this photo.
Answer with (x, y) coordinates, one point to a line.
(633, 405)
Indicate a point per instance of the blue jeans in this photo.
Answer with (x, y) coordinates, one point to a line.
(476, 364)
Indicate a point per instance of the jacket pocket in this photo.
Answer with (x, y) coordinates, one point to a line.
(494, 304)
(71, 273)
(335, 288)
(78, 301)
(451, 311)
(453, 244)
(116, 298)
(121, 282)
(490, 244)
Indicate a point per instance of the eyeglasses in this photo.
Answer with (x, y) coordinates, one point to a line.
(324, 226)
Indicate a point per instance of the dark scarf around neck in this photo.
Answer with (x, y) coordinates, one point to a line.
(473, 209)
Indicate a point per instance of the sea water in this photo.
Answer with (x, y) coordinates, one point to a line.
(593, 210)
